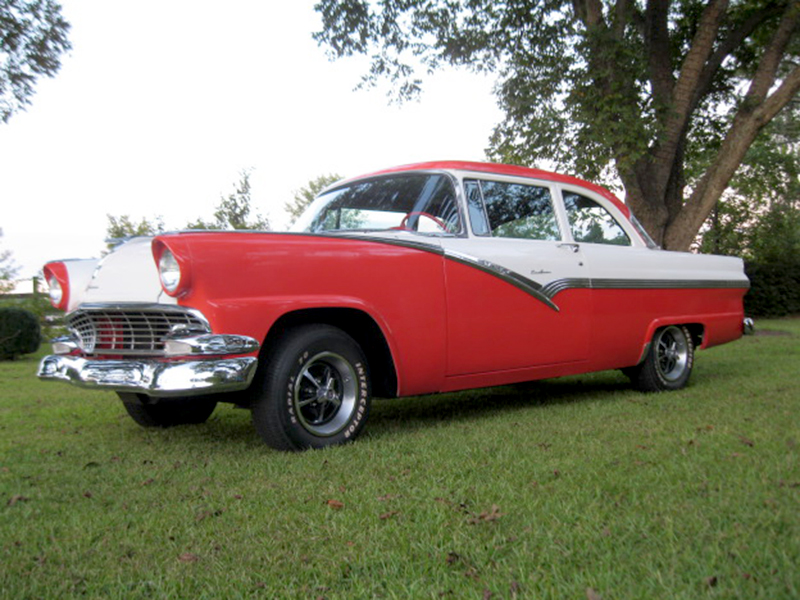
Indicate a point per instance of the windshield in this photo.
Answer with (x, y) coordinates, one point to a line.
(422, 202)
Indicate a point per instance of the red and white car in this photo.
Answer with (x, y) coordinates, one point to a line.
(426, 278)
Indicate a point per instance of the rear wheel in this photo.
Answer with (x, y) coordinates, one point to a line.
(167, 412)
(668, 363)
(315, 390)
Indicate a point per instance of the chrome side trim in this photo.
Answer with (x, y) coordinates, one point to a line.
(664, 284)
(152, 377)
(422, 245)
(559, 285)
(529, 286)
(546, 293)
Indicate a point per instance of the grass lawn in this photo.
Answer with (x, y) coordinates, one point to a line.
(572, 488)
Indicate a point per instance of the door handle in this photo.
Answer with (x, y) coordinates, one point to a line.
(572, 246)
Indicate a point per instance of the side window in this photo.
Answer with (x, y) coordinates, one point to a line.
(591, 223)
(522, 211)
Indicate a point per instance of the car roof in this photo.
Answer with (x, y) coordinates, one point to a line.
(499, 169)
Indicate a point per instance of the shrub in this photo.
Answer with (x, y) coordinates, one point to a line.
(774, 289)
(19, 333)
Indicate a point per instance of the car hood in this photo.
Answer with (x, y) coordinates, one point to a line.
(128, 274)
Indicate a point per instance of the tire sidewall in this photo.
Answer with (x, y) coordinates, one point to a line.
(294, 355)
(680, 382)
(167, 412)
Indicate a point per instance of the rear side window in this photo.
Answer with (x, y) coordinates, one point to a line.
(591, 223)
(512, 210)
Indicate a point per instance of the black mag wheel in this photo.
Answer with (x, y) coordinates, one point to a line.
(167, 412)
(668, 363)
(315, 390)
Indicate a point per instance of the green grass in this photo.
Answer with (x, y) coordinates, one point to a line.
(566, 488)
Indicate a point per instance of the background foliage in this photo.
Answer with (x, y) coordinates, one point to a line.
(306, 194)
(33, 36)
(666, 95)
(235, 211)
(19, 332)
(8, 269)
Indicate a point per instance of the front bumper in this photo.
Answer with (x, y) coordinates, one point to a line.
(152, 377)
(191, 365)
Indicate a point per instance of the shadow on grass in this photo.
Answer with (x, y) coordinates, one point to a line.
(392, 416)
(431, 411)
(398, 416)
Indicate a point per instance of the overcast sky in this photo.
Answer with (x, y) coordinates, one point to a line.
(161, 104)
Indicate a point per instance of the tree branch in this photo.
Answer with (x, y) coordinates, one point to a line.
(780, 97)
(734, 39)
(764, 77)
(589, 12)
(746, 126)
(684, 94)
(658, 51)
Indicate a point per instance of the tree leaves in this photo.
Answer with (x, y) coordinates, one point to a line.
(653, 97)
(306, 194)
(33, 36)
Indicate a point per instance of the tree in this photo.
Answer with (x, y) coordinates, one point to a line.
(123, 228)
(233, 212)
(33, 36)
(305, 195)
(669, 95)
(8, 270)
(759, 218)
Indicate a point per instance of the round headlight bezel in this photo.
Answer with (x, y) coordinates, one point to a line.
(169, 272)
(55, 290)
(56, 276)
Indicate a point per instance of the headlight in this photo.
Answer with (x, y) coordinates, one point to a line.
(57, 277)
(169, 271)
(56, 292)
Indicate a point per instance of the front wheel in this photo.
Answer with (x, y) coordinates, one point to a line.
(314, 391)
(167, 412)
(668, 363)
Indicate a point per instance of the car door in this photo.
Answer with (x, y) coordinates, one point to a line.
(517, 293)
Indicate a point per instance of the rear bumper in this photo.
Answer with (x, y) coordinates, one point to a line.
(748, 326)
(152, 377)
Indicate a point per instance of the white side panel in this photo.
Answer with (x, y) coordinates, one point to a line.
(617, 264)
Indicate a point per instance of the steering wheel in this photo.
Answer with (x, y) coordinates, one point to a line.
(437, 220)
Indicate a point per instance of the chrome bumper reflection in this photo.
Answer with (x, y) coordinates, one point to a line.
(152, 377)
(748, 326)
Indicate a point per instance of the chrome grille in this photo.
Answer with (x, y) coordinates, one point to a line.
(130, 330)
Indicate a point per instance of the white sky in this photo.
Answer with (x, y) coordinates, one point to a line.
(161, 104)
